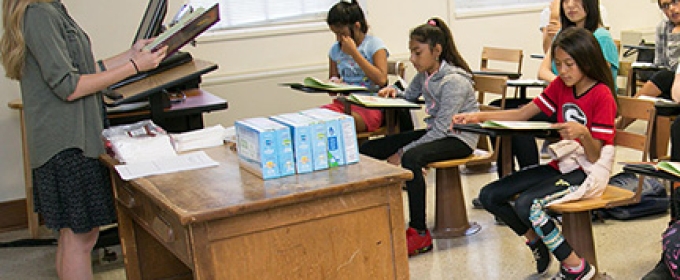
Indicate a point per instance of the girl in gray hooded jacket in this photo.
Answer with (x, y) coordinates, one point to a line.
(444, 80)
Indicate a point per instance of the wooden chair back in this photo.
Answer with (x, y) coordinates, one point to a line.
(396, 68)
(641, 110)
(509, 56)
(495, 85)
(504, 59)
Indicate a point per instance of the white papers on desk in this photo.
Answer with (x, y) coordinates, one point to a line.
(189, 161)
(199, 139)
(642, 65)
(527, 82)
(139, 149)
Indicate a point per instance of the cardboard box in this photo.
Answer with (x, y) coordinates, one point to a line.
(349, 133)
(300, 130)
(265, 147)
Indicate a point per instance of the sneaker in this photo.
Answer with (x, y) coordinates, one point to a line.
(418, 243)
(541, 256)
(586, 273)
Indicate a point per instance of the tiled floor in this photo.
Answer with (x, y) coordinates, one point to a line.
(625, 249)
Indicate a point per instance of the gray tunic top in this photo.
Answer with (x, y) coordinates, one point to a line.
(57, 53)
(446, 93)
(667, 46)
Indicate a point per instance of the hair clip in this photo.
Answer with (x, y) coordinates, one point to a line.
(432, 22)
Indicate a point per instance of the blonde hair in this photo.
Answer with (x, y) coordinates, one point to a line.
(12, 44)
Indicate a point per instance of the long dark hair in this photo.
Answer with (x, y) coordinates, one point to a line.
(434, 32)
(347, 13)
(582, 46)
(593, 18)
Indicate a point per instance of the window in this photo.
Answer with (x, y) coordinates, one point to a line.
(257, 13)
(496, 6)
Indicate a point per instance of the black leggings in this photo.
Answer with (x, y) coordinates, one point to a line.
(663, 79)
(414, 160)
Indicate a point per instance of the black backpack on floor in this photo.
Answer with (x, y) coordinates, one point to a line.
(654, 198)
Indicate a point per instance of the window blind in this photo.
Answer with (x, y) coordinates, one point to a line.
(495, 4)
(240, 13)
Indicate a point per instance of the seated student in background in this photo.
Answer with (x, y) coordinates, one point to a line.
(444, 80)
(666, 54)
(356, 58)
(586, 14)
(582, 97)
(549, 23)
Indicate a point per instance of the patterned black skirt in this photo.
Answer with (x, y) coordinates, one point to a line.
(73, 191)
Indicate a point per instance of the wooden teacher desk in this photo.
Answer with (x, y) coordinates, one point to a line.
(225, 223)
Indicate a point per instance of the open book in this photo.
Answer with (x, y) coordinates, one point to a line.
(669, 167)
(319, 85)
(186, 29)
(377, 101)
(517, 125)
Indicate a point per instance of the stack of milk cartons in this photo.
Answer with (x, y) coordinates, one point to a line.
(340, 135)
(265, 147)
(309, 141)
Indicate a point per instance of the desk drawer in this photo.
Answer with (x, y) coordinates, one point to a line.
(166, 229)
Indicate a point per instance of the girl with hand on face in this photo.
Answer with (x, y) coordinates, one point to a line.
(357, 59)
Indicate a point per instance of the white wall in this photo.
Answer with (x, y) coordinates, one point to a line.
(251, 68)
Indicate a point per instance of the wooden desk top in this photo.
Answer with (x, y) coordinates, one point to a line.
(227, 190)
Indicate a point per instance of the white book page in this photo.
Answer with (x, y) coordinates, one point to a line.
(517, 125)
(188, 161)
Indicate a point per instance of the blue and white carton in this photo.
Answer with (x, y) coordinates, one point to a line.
(300, 127)
(265, 147)
(339, 145)
(349, 133)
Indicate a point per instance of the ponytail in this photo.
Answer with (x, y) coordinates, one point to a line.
(434, 32)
